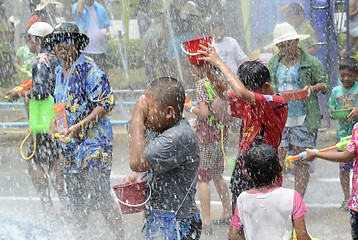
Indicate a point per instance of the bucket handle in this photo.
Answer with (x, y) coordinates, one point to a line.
(193, 54)
(134, 205)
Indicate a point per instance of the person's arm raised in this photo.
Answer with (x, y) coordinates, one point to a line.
(137, 141)
(240, 90)
(80, 7)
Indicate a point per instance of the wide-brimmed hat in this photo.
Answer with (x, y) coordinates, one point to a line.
(72, 29)
(285, 32)
(44, 3)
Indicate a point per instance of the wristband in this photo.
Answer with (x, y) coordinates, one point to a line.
(191, 109)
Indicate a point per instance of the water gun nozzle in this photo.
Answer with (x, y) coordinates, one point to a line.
(62, 138)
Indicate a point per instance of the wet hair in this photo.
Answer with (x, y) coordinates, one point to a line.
(293, 10)
(262, 163)
(170, 92)
(348, 63)
(253, 75)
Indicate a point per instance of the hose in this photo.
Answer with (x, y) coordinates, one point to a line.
(23, 141)
(222, 147)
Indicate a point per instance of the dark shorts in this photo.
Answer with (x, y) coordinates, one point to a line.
(345, 166)
(299, 136)
(189, 229)
(47, 151)
(354, 224)
(88, 190)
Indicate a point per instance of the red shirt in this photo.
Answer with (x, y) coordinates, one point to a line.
(267, 117)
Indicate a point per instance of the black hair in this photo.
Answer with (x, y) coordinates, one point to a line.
(253, 75)
(293, 10)
(170, 92)
(262, 163)
(348, 63)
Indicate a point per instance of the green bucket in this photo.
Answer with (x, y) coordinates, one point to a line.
(343, 113)
(41, 114)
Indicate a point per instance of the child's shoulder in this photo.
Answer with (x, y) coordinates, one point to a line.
(273, 99)
(338, 87)
(179, 129)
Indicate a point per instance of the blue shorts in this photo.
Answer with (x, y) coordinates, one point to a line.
(299, 136)
(188, 228)
(174, 49)
(345, 166)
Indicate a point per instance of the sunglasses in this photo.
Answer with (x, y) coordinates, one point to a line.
(65, 39)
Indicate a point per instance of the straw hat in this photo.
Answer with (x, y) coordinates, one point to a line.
(284, 32)
(44, 3)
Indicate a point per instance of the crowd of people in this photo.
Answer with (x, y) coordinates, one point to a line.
(67, 64)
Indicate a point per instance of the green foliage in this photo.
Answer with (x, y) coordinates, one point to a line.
(137, 78)
(116, 8)
(134, 53)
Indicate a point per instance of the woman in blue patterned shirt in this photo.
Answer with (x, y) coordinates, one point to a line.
(87, 159)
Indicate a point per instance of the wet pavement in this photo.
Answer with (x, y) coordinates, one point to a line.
(21, 216)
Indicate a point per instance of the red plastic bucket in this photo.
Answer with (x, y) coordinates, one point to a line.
(132, 197)
(295, 95)
(192, 47)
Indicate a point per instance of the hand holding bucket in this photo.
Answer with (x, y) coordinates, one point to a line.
(132, 197)
(210, 55)
(192, 49)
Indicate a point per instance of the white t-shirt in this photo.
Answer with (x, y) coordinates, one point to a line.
(268, 214)
(96, 44)
(230, 52)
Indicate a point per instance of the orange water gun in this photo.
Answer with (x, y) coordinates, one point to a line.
(341, 145)
(23, 88)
